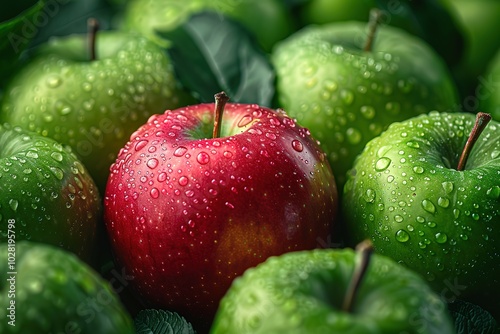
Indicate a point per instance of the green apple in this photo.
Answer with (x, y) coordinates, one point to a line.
(347, 93)
(268, 20)
(424, 205)
(428, 19)
(46, 194)
(480, 21)
(92, 105)
(331, 291)
(488, 90)
(45, 289)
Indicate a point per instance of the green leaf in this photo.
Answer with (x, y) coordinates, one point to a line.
(161, 322)
(470, 318)
(15, 35)
(212, 53)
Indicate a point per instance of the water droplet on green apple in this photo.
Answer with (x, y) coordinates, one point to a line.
(382, 164)
(418, 169)
(398, 218)
(87, 86)
(13, 204)
(245, 120)
(369, 195)
(59, 174)
(428, 206)
(441, 238)
(402, 236)
(390, 178)
(443, 202)
(347, 96)
(353, 136)
(383, 150)
(493, 192)
(410, 228)
(464, 237)
(330, 86)
(413, 144)
(54, 81)
(56, 156)
(368, 112)
(447, 186)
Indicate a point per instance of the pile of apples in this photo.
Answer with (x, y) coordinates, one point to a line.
(245, 166)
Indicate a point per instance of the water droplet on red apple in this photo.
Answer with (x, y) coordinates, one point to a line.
(189, 193)
(140, 144)
(183, 180)
(180, 151)
(229, 205)
(297, 145)
(245, 120)
(270, 135)
(227, 154)
(152, 163)
(154, 193)
(203, 158)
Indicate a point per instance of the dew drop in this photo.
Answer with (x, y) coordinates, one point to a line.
(382, 164)
(443, 202)
(203, 158)
(493, 192)
(402, 236)
(428, 206)
(154, 193)
(13, 204)
(495, 154)
(347, 96)
(398, 218)
(245, 120)
(368, 112)
(183, 180)
(59, 174)
(180, 151)
(189, 193)
(152, 163)
(418, 169)
(369, 195)
(54, 81)
(297, 145)
(56, 156)
(413, 144)
(353, 136)
(229, 205)
(140, 145)
(447, 186)
(441, 238)
(227, 154)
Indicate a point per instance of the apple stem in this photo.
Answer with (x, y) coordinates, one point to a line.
(376, 16)
(482, 120)
(220, 102)
(93, 27)
(364, 251)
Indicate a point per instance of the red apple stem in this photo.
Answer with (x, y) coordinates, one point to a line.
(220, 102)
(92, 27)
(364, 251)
(376, 16)
(482, 120)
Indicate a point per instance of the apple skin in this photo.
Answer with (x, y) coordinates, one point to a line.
(346, 96)
(92, 106)
(47, 192)
(186, 214)
(302, 292)
(55, 292)
(268, 20)
(405, 195)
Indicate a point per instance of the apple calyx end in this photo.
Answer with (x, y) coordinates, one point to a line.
(364, 251)
(221, 99)
(376, 17)
(92, 28)
(482, 120)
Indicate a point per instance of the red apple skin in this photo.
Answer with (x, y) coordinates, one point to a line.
(186, 216)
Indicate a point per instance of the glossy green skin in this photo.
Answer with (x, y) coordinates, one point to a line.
(93, 106)
(302, 292)
(268, 20)
(346, 96)
(48, 192)
(440, 222)
(480, 21)
(57, 293)
(418, 19)
(489, 89)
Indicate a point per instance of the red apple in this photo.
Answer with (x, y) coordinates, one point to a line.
(188, 211)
